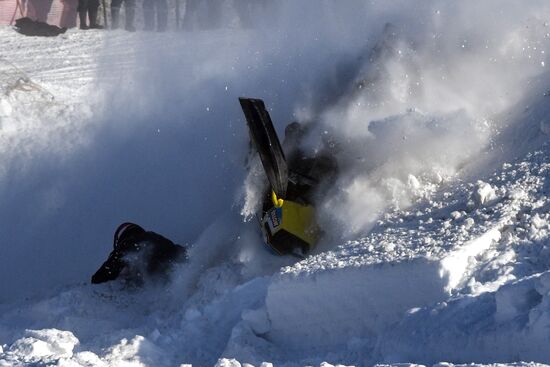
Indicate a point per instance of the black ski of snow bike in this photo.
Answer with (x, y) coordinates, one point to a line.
(267, 143)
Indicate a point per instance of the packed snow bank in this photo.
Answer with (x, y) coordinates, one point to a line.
(364, 295)
(361, 301)
(457, 243)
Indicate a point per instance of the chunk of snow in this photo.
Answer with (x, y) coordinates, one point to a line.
(326, 364)
(224, 362)
(413, 182)
(85, 359)
(469, 222)
(538, 222)
(456, 264)
(47, 344)
(456, 215)
(5, 107)
(483, 194)
(138, 351)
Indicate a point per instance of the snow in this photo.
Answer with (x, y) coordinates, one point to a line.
(438, 250)
(43, 345)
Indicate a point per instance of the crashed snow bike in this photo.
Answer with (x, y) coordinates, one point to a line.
(288, 215)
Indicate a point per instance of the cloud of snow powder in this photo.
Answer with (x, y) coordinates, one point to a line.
(426, 99)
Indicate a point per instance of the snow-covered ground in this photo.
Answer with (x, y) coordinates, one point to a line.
(438, 249)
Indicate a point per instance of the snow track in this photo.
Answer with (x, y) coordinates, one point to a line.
(68, 60)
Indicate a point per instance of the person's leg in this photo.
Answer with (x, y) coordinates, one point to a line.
(115, 13)
(130, 10)
(42, 9)
(82, 12)
(149, 14)
(162, 14)
(190, 14)
(68, 14)
(93, 7)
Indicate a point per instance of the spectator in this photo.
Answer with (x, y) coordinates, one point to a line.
(129, 8)
(88, 8)
(68, 14)
(38, 9)
(150, 7)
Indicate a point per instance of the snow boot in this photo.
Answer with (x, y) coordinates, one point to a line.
(92, 15)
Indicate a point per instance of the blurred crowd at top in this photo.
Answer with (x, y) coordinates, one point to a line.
(132, 15)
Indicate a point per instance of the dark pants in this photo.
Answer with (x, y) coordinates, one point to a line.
(86, 5)
(150, 7)
(127, 3)
(88, 8)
